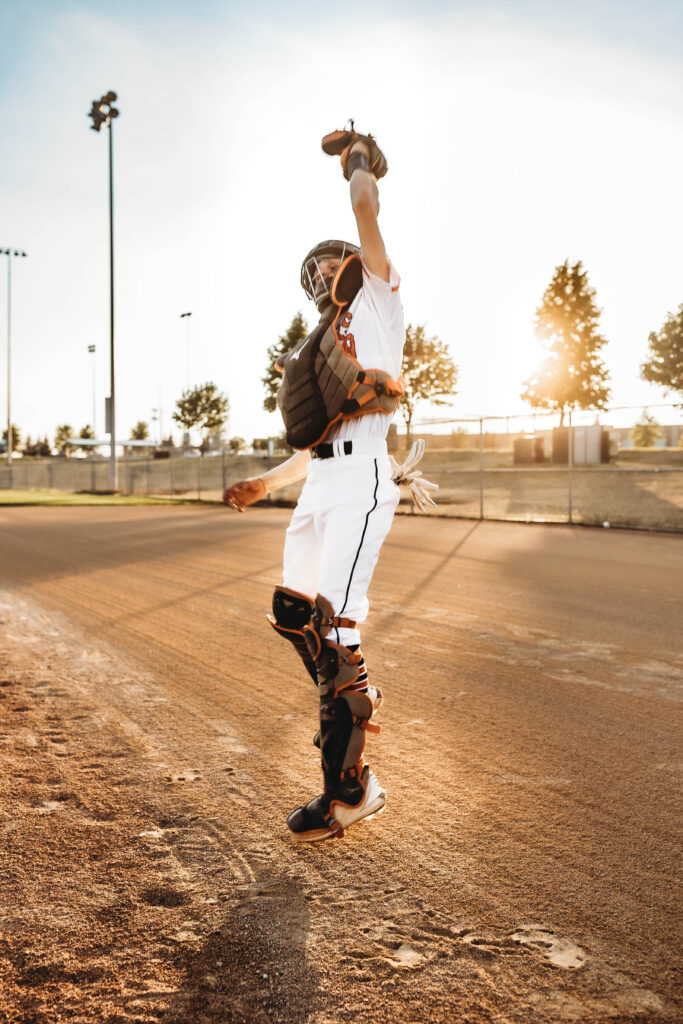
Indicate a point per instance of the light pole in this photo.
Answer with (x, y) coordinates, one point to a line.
(9, 253)
(102, 112)
(182, 316)
(91, 350)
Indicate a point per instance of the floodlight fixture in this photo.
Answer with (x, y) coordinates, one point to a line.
(102, 111)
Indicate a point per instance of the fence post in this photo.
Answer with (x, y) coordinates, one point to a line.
(570, 466)
(148, 464)
(481, 468)
(199, 477)
(223, 469)
(269, 451)
(171, 460)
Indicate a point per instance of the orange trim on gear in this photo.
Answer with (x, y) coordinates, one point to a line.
(309, 629)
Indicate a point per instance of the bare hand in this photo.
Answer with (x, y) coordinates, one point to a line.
(244, 493)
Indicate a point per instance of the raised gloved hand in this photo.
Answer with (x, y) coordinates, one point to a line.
(339, 143)
(407, 475)
(244, 493)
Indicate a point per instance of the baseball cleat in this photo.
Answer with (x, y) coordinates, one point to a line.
(327, 817)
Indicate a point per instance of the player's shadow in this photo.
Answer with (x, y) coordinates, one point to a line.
(387, 621)
(254, 966)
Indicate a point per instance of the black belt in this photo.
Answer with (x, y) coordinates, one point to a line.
(326, 451)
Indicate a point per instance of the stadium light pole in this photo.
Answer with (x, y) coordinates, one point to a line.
(102, 112)
(9, 253)
(92, 350)
(182, 317)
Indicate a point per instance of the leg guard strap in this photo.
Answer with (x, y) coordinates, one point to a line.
(323, 618)
(366, 725)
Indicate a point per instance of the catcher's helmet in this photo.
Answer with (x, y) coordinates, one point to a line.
(317, 286)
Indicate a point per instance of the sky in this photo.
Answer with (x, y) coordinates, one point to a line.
(518, 135)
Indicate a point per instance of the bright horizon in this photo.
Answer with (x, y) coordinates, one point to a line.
(516, 137)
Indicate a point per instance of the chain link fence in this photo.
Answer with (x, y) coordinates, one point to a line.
(177, 475)
(534, 469)
(526, 468)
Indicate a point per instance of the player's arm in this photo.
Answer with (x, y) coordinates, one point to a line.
(365, 203)
(245, 492)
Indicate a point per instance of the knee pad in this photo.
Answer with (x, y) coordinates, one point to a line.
(291, 613)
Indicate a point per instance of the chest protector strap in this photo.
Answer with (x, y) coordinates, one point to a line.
(322, 383)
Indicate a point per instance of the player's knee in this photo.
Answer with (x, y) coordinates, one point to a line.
(291, 610)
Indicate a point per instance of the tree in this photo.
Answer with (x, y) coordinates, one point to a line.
(16, 439)
(87, 433)
(140, 431)
(62, 435)
(237, 444)
(429, 372)
(646, 431)
(296, 332)
(572, 375)
(37, 448)
(204, 407)
(665, 363)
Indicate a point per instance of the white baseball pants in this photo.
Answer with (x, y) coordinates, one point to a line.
(337, 529)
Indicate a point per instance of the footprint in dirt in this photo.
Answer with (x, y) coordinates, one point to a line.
(164, 896)
(559, 952)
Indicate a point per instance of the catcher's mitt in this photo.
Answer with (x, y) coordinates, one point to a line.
(339, 144)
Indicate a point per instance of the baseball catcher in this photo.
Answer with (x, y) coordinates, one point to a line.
(340, 388)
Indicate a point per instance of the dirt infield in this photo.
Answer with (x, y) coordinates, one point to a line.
(155, 734)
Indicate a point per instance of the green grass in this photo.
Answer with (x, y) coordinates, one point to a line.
(73, 498)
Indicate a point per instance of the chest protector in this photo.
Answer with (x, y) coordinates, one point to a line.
(321, 382)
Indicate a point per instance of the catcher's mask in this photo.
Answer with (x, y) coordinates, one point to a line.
(317, 282)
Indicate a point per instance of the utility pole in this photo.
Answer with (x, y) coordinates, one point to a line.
(102, 112)
(9, 253)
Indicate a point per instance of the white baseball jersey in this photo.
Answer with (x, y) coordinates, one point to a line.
(373, 333)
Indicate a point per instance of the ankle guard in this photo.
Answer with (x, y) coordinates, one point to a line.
(345, 705)
(291, 613)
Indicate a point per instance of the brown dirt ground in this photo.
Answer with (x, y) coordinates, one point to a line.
(155, 734)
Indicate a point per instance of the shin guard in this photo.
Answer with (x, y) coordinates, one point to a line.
(345, 704)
